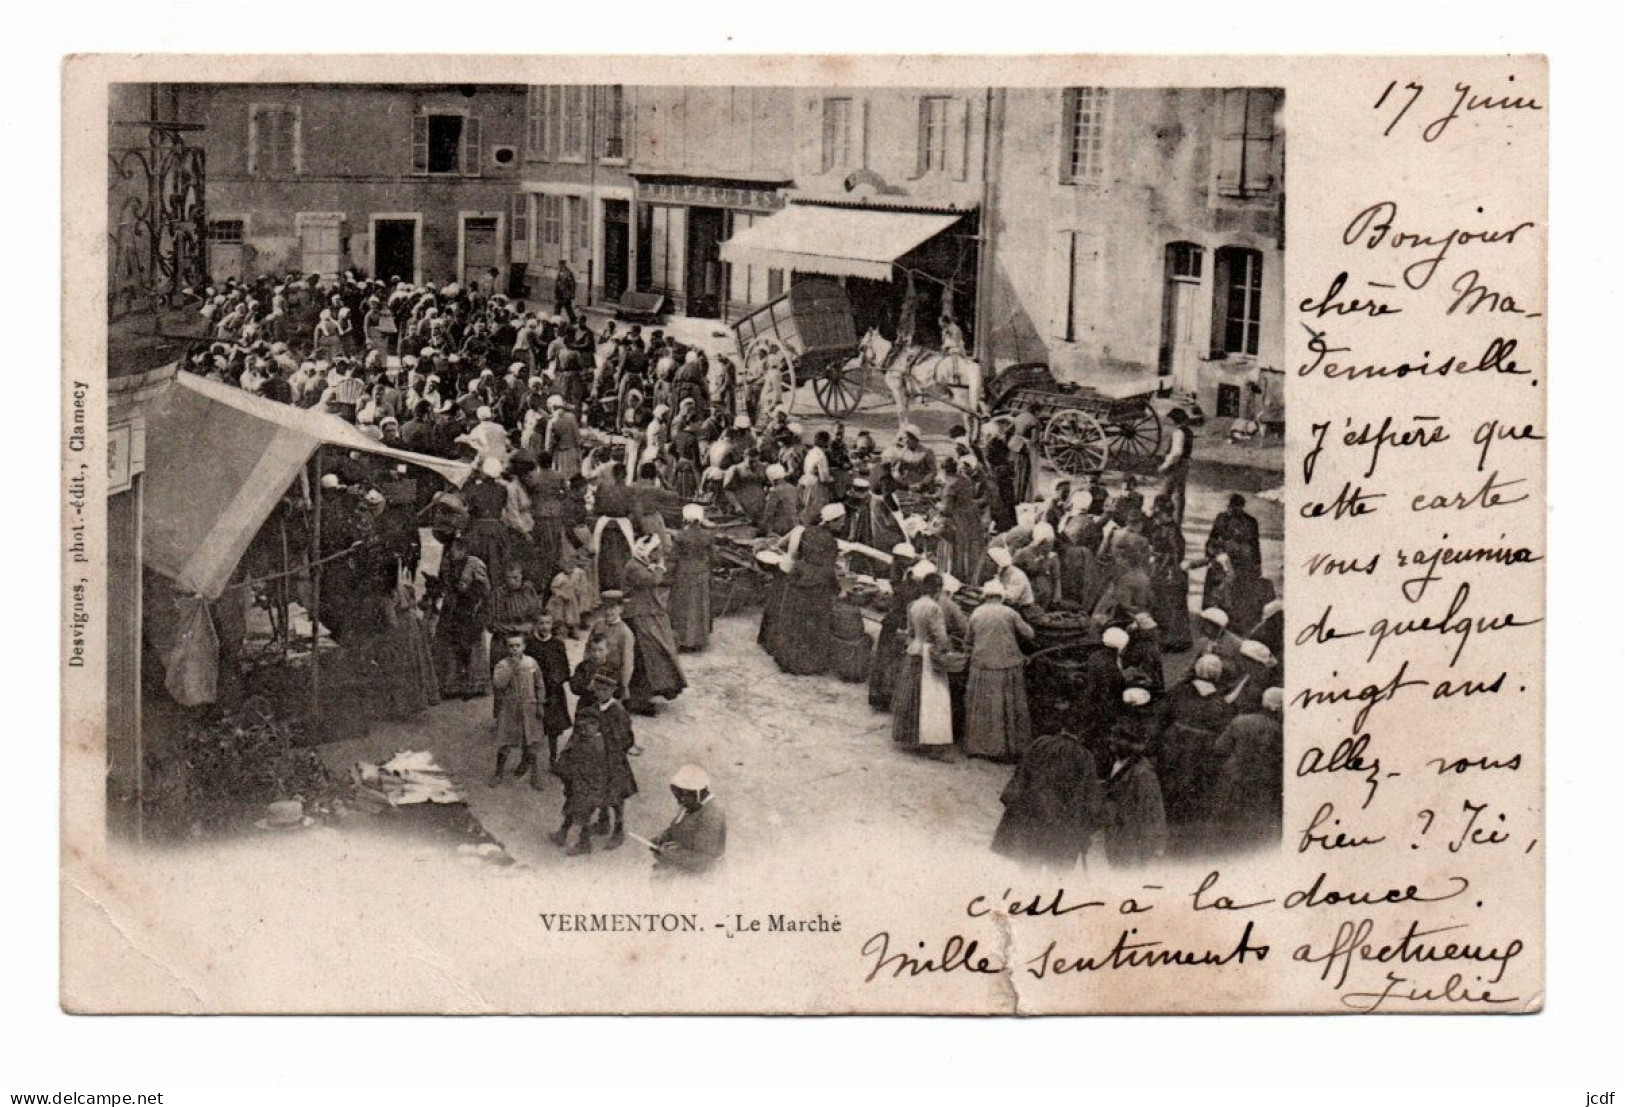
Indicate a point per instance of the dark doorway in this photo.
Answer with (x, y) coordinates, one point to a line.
(704, 283)
(617, 247)
(394, 249)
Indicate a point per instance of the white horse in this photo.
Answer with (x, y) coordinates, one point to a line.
(920, 373)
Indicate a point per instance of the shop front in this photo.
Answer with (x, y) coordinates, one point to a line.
(682, 223)
(903, 270)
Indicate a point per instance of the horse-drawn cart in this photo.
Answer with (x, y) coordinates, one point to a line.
(807, 334)
(1081, 428)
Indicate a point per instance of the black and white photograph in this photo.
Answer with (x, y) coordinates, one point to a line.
(642, 477)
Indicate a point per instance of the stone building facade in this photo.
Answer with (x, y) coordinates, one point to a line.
(1112, 233)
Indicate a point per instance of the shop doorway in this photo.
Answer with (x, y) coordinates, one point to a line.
(617, 247)
(704, 276)
(394, 249)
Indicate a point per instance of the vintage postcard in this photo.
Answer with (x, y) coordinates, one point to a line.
(804, 535)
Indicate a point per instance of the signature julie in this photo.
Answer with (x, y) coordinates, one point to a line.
(1454, 990)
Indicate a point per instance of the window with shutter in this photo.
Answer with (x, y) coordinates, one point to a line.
(612, 123)
(837, 133)
(549, 229)
(1246, 141)
(274, 140)
(446, 153)
(576, 219)
(533, 122)
(1060, 272)
(420, 144)
(1074, 284)
(1083, 135)
(520, 222)
(572, 139)
(933, 134)
(471, 146)
(1238, 295)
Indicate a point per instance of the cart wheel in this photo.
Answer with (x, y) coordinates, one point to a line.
(1136, 438)
(840, 389)
(1074, 442)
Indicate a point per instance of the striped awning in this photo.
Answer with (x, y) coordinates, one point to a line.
(838, 242)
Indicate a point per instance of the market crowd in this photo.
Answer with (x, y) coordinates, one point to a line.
(617, 474)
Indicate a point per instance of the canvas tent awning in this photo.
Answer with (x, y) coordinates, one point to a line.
(218, 460)
(838, 242)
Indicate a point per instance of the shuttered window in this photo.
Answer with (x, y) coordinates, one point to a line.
(837, 133)
(274, 140)
(933, 156)
(536, 103)
(520, 222)
(1074, 284)
(1246, 153)
(1238, 293)
(573, 123)
(1083, 135)
(613, 122)
(446, 144)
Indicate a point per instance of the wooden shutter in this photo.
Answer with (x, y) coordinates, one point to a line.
(809, 134)
(420, 143)
(957, 156)
(600, 121)
(1058, 286)
(1086, 283)
(1232, 138)
(1258, 151)
(520, 224)
(471, 146)
(863, 133)
(1069, 113)
(548, 128)
(920, 143)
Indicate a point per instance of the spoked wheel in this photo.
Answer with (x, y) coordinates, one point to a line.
(1075, 442)
(840, 389)
(1136, 437)
(757, 356)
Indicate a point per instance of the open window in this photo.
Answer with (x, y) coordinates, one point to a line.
(1238, 295)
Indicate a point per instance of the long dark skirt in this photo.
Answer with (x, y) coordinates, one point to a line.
(491, 542)
(1170, 607)
(691, 609)
(804, 647)
(655, 670)
(890, 645)
(767, 635)
(997, 724)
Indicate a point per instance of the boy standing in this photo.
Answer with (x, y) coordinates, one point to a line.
(519, 698)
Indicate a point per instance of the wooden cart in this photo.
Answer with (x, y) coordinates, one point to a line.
(1081, 428)
(809, 330)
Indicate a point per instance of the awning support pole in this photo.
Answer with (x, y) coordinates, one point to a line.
(315, 596)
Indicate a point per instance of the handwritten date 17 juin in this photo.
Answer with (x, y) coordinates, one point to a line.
(1400, 100)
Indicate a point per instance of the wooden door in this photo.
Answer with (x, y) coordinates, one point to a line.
(1180, 351)
(320, 247)
(481, 252)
